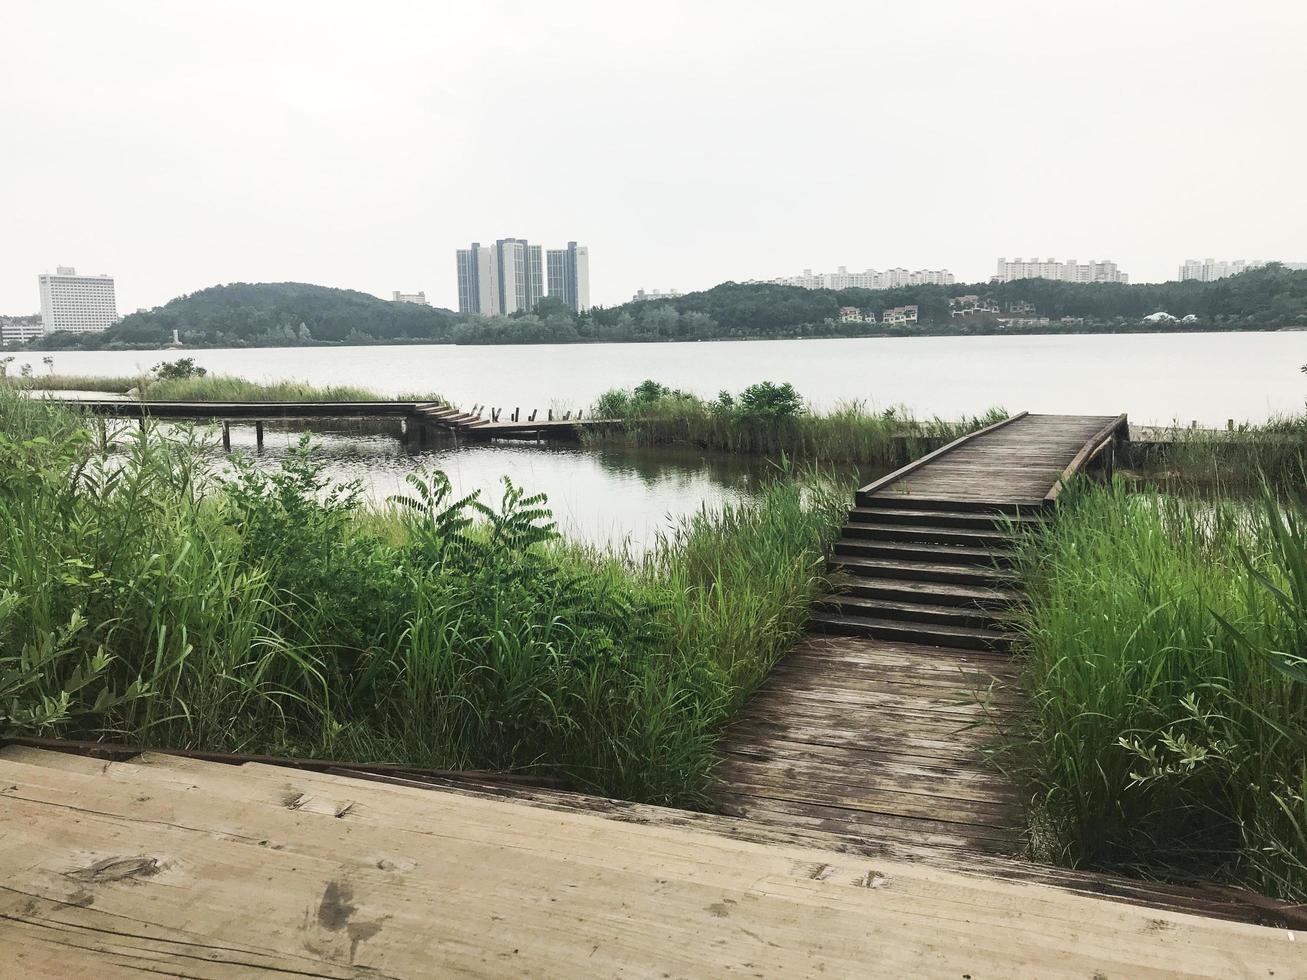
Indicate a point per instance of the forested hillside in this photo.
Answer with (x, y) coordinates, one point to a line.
(281, 314)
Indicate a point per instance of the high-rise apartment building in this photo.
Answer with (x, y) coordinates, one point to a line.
(569, 275)
(1209, 270)
(869, 279)
(509, 277)
(1068, 271)
(521, 275)
(478, 280)
(76, 304)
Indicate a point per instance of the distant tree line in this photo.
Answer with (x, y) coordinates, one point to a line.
(286, 314)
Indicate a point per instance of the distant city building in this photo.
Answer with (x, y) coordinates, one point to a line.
(1068, 271)
(420, 298)
(569, 275)
(971, 305)
(900, 315)
(1161, 316)
(1023, 321)
(852, 314)
(641, 295)
(77, 304)
(509, 277)
(868, 279)
(1209, 270)
(20, 329)
(478, 280)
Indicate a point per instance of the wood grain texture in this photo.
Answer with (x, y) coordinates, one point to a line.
(190, 868)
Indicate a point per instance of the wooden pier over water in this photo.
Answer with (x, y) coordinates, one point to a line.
(418, 417)
(874, 727)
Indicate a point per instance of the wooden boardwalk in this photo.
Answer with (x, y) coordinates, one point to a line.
(876, 727)
(417, 415)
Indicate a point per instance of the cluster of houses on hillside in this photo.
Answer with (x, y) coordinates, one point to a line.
(896, 316)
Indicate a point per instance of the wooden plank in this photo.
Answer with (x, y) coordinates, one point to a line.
(902, 471)
(1088, 449)
(642, 900)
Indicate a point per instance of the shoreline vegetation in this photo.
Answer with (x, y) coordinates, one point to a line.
(158, 601)
(1164, 651)
(770, 420)
(301, 314)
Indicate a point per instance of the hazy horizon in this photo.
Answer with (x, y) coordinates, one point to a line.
(176, 147)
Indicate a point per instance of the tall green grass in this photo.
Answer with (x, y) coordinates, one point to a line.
(144, 596)
(1164, 651)
(1212, 460)
(210, 388)
(653, 415)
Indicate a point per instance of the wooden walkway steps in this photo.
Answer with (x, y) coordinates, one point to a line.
(876, 727)
(181, 867)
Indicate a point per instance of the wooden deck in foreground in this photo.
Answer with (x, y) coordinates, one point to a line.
(185, 868)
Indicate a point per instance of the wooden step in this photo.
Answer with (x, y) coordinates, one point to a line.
(939, 593)
(920, 571)
(927, 533)
(951, 554)
(891, 500)
(944, 518)
(965, 637)
(916, 611)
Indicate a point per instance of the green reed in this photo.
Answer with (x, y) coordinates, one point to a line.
(145, 596)
(1163, 650)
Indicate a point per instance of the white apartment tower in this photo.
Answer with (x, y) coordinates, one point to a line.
(478, 280)
(509, 277)
(569, 275)
(1068, 271)
(76, 304)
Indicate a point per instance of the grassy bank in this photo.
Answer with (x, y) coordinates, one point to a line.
(1164, 649)
(772, 420)
(211, 388)
(1274, 451)
(153, 600)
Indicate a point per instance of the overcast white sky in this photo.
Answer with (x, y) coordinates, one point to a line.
(359, 144)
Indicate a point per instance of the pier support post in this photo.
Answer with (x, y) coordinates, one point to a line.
(226, 437)
(258, 435)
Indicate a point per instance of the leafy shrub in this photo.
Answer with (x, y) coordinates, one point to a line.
(182, 369)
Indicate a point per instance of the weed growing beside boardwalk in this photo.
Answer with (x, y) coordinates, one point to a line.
(772, 420)
(1164, 654)
(145, 598)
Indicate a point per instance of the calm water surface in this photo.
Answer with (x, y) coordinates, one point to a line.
(1156, 378)
(612, 498)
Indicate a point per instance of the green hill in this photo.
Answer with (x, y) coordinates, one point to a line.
(277, 314)
(273, 313)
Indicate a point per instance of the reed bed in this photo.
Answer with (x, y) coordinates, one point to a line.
(147, 597)
(774, 422)
(1164, 651)
(210, 388)
(1207, 459)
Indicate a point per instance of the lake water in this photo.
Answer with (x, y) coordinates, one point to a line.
(619, 499)
(1155, 378)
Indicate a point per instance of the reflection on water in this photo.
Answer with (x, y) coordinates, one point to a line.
(608, 497)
